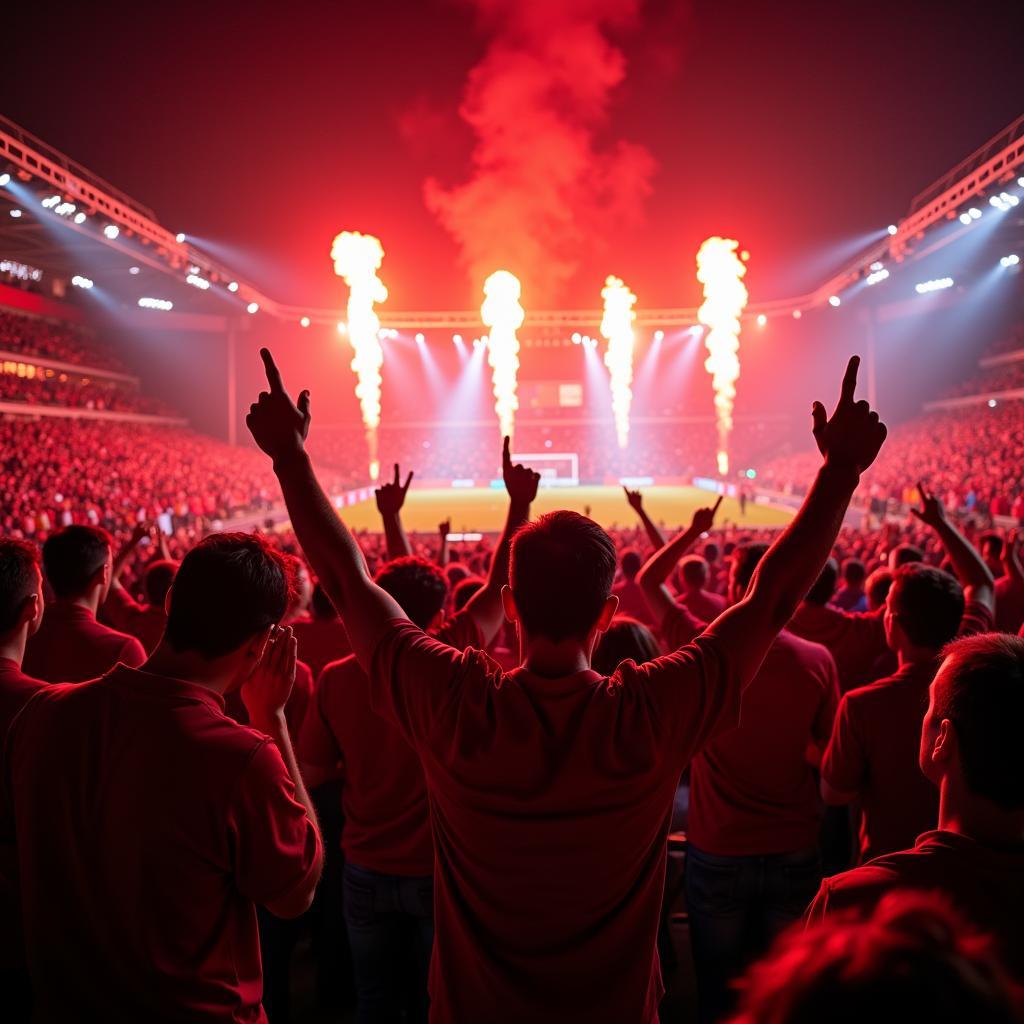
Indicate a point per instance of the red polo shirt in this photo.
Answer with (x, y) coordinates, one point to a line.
(982, 882)
(752, 790)
(321, 641)
(145, 622)
(855, 639)
(384, 794)
(71, 646)
(149, 824)
(15, 690)
(550, 802)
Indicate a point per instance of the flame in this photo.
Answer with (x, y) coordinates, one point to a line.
(503, 314)
(721, 272)
(357, 258)
(617, 327)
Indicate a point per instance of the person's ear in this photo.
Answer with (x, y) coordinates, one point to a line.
(611, 606)
(167, 599)
(31, 612)
(508, 604)
(945, 747)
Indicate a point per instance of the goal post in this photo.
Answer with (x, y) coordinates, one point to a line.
(556, 469)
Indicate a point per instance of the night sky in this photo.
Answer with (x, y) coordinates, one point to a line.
(267, 128)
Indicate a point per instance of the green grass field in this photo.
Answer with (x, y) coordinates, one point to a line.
(484, 510)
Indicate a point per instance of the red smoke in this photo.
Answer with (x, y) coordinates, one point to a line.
(541, 189)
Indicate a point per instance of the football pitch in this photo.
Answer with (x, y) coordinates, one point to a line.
(483, 510)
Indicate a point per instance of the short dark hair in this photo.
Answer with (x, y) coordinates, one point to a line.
(854, 572)
(73, 556)
(625, 639)
(694, 570)
(991, 544)
(745, 558)
(455, 572)
(320, 604)
(981, 691)
(465, 589)
(928, 602)
(229, 588)
(157, 580)
(19, 570)
(419, 586)
(711, 551)
(561, 574)
(825, 585)
(631, 562)
(877, 587)
(913, 954)
(903, 554)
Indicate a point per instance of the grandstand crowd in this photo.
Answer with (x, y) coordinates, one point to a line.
(458, 770)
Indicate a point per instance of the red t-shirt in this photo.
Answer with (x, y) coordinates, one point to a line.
(321, 641)
(145, 622)
(855, 639)
(752, 790)
(384, 794)
(550, 802)
(982, 882)
(149, 824)
(1009, 605)
(71, 646)
(703, 604)
(632, 602)
(15, 690)
(874, 752)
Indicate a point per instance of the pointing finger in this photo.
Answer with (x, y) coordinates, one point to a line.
(717, 503)
(506, 455)
(850, 379)
(273, 373)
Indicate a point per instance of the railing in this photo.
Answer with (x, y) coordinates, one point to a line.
(30, 358)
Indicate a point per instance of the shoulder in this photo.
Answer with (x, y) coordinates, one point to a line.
(337, 673)
(862, 887)
(804, 653)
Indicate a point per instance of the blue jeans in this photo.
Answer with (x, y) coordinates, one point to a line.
(736, 907)
(390, 924)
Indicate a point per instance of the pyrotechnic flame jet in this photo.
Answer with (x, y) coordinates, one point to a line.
(503, 315)
(721, 272)
(617, 327)
(357, 258)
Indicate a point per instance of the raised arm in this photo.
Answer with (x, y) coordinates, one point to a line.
(279, 427)
(659, 566)
(485, 605)
(390, 499)
(443, 529)
(969, 566)
(125, 552)
(849, 442)
(636, 503)
(1012, 565)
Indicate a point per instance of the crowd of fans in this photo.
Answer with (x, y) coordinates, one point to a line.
(303, 722)
(57, 340)
(74, 391)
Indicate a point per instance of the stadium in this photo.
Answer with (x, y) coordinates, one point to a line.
(633, 243)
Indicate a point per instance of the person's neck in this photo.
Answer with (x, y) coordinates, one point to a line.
(979, 819)
(12, 645)
(189, 666)
(553, 660)
(90, 601)
(907, 656)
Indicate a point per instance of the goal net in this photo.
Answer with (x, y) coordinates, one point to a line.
(557, 469)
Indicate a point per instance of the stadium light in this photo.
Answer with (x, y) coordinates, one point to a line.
(761, 319)
(5, 180)
(197, 282)
(232, 286)
(876, 276)
(892, 229)
(15, 213)
(81, 282)
(834, 300)
(992, 403)
(937, 285)
(797, 314)
(133, 270)
(111, 231)
(304, 321)
(80, 218)
(420, 338)
(965, 218)
(253, 307)
(1020, 180)
(457, 339)
(974, 213)
(659, 335)
(180, 237)
(1009, 261)
(164, 305)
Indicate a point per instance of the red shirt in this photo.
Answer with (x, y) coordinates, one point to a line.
(752, 790)
(855, 639)
(384, 793)
(321, 641)
(71, 646)
(705, 605)
(145, 622)
(149, 824)
(550, 802)
(982, 882)
(1009, 605)
(632, 602)
(874, 752)
(15, 690)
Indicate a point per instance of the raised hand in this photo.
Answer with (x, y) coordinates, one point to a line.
(931, 512)
(391, 497)
(854, 434)
(267, 690)
(635, 499)
(520, 482)
(277, 424)
(704, 518)
(444, 528)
